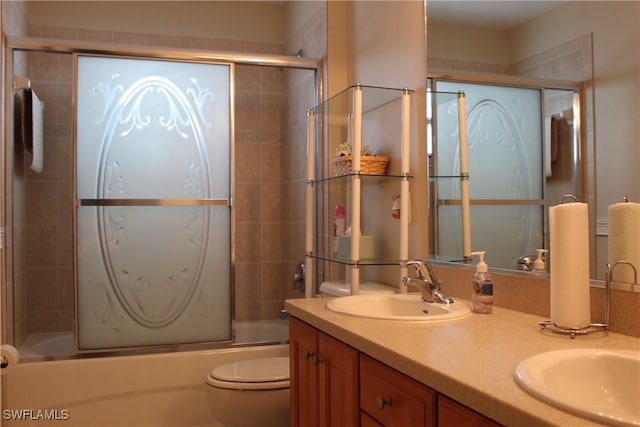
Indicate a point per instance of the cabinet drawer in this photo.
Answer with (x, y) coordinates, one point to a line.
(367, 421)
(392, 398)
(454, 414)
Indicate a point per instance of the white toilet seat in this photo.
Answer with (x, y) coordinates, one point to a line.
(270, 373)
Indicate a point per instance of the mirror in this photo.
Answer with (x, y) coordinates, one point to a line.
(524, 155)
(544, 40)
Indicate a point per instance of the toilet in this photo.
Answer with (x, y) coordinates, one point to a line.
(255, 392)
(250, 393)
(338, 288)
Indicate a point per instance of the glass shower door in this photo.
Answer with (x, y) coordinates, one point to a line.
(153, 149)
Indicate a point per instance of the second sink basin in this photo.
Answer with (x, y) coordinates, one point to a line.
(603, 385)
(397, 307)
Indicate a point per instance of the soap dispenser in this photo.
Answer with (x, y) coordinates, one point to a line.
(539, 264)
(482, 297)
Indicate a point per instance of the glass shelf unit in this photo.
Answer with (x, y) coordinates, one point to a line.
(363, 119)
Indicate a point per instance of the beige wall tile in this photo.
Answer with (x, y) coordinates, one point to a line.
(271, 112)
(247, 282)
(271, 309)
(247, 78)
(272, 80)
(248, 311)
(271, 198)
(42, 201)
(43, 290)
(247, 112)
(247, 162)
(273, 243)
(247, 201)
(43, 321)
(94, 35)
(41, 246)
(131, 39)
(249, 242)
(275, 283)
(270, 161)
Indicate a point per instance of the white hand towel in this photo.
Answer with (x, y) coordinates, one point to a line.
(37, 108)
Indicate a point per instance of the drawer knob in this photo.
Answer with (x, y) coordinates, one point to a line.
(315, 359)
(381, 402)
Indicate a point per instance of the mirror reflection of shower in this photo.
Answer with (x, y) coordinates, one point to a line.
(524, 155)
(41, 239)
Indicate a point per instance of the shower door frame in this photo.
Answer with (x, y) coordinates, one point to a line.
(28, 44)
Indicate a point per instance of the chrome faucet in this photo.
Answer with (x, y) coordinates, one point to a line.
(427, 283)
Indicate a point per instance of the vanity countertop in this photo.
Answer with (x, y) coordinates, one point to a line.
(471, 360)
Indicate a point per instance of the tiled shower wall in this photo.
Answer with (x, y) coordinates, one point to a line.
(13, 22)
(259, 268)
(266, 249)
(43, 280)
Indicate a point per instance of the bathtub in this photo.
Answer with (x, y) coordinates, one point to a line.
(47, 344)
(261, 331)
(60, 344)
(155, 390)
(159, 390)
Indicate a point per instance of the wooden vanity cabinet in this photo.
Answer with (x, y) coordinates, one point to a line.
(334, 385)
(393, 399)
(324, 379)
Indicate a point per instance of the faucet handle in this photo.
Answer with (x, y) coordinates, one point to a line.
(425, 272)
(421, 270)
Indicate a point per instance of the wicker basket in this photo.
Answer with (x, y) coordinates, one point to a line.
(369, 165)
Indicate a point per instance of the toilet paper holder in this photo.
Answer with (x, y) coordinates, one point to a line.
(594, 327)
(9, 357)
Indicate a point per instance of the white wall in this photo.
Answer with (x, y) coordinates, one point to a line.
(615, 27)
(387, 48)
(258, 21)
(471, 44)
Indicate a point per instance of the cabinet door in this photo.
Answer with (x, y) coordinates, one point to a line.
(338, 369)
(453, 414)
(303, 348)
(393, 399)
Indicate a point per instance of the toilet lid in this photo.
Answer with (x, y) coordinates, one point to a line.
(252, 374)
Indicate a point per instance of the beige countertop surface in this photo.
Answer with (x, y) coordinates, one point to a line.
(471, 360)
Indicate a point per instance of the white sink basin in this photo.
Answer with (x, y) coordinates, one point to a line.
(397, 307)
(599, 384)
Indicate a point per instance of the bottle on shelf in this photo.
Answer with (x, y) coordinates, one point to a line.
(339, 218)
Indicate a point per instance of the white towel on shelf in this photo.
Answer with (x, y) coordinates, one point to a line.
(37, 109)
(548, 137)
